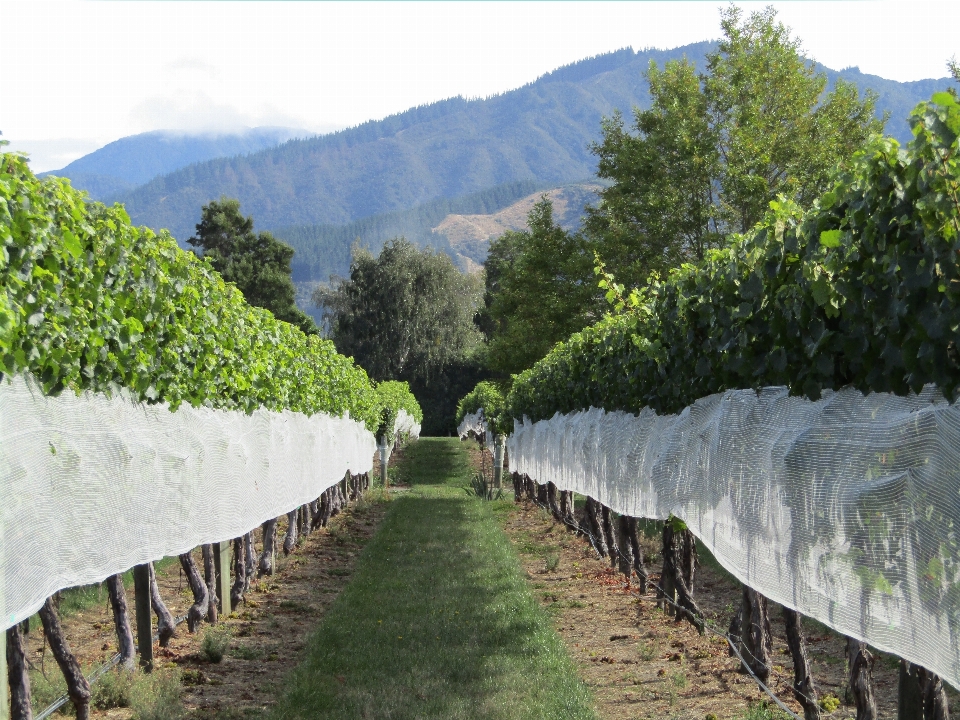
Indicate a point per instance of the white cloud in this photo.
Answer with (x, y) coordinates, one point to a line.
(190, 112)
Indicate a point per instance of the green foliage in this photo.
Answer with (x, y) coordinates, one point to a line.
(706, 159)
(257, 263)
(764, 710)
(438, 396)
(46, 689)
(395, 396)
(215, 642)
(714, 149)
(776, 130)
(487, 396)
(861, 290)
(406, 314)
(88, 301)
(156, 696)
(483, 488)
(114, 689)
(659, 209)
(534, 295)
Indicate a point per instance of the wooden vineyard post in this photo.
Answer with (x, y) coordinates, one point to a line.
(221, 563)
(4, 690)
(498, 462)
(141, 589)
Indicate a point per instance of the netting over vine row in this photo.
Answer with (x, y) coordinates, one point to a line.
(405, 424)
(846, 509)
(475, 425)
(91, 486)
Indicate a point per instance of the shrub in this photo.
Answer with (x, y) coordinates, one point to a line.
(113, 689)
(215, 642)
(156, 696)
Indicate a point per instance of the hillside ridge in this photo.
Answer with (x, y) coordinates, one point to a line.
(539, 133)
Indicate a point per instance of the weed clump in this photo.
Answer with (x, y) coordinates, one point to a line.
(113, 689)
(764, 711)
(215, 642)
(156, 696)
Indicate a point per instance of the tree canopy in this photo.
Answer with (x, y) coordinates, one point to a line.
(705, 161)
(407, 314)
(538, 291)
(715, 148)
(403, 314)
(257, 263)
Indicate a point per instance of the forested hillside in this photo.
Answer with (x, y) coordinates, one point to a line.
(539, 133)
(129, 162)
(453, 226)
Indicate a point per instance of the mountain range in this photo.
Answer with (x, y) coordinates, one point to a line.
(407, 173)
(129, 162)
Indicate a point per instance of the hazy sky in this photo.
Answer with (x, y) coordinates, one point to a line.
(76, 74)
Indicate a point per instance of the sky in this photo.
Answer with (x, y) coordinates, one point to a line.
(77, 74)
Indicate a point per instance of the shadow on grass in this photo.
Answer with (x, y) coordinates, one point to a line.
(438, 621)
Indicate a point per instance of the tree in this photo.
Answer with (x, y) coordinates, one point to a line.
(714, 149)
(659, 210)
(257, 263)
(407, 314)
(539, 290)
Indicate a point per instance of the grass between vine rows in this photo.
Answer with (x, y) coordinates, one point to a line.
(438, 621)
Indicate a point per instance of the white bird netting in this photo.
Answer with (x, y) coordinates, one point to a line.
(91, 486)
(475, 425)
(846, 509)
(406, 424)
(403, 424)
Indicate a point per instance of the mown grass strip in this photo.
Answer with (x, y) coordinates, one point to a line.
(438, 621)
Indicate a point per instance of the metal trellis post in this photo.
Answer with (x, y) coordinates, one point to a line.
(498, 462)
(384, 459)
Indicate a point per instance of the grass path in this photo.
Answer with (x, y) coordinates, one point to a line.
(437, 621)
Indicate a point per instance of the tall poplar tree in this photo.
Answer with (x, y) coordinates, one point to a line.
(715, 148)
